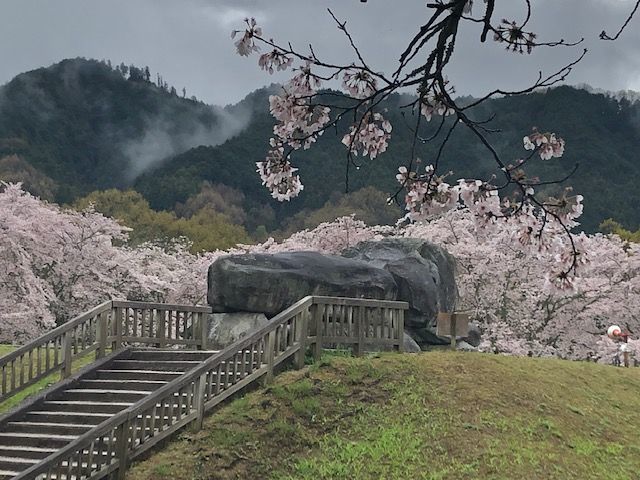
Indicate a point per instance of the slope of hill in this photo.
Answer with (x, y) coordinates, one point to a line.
(83, 126)
(437, 415)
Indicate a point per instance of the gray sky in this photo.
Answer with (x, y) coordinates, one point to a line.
(188, 41)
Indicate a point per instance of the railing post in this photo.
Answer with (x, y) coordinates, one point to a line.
(317, 321)
(122, 449)
(400, 330)
(200, 389)
(161, 326)
(453, 331)
(101, 334)
(269, 353)
(204, 331)
(302, 337)
(359, 347)
(116, 328)
(67, 345)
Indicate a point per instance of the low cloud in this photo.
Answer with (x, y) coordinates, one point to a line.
(160, 140)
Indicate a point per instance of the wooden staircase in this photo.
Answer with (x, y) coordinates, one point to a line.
(159, 378)
(66, 413)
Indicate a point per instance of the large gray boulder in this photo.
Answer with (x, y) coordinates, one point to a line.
(474, 337)
(424, 272)
(409, 344)
(227, 328)
(269, 283)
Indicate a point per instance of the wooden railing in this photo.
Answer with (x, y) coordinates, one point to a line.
(109, 448)
(159, 324)
(54, 351)
(112, 324)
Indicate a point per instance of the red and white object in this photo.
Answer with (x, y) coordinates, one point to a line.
(614, 331)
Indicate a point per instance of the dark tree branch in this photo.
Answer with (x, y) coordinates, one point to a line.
(603, 34)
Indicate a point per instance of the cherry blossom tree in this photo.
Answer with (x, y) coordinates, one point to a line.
(508, 290)
(56, 263)
(503, 288)
(304, 111)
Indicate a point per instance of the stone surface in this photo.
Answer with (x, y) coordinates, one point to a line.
(427, 335)
(410, 345)
(465, 347)
(269, 283)
(424, 272)
(227, 328)
(475, 336)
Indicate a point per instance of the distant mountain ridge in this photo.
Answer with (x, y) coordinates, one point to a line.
(85, 126)
(630, 95)
(602, 135)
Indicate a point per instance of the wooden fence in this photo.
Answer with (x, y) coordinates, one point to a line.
(111, 324)
(311, 322)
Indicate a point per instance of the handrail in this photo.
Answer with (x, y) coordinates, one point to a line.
(364, 302)
(230, 350)
(112, 444)
(162, 306)
(113, 324)
(55, 332)
(49, 392)
(54, 351)
(133, 411)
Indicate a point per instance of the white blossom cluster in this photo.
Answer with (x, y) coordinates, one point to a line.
(434, 106)
(429, 195)
(57, 263)
(359, 83)
(547, 144)
(370, 137)
(246, 44)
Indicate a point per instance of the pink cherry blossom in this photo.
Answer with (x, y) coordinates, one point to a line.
(305, 82)
(547, 144)
(359, 83)
(278, 175)
(369, 137)
(56, 263)
(245, 45)
(275, 58)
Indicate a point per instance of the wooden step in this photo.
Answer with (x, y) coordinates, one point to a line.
(15, 451)
(7, 474)
(85, 418)
(80, 406)
(47, 427)
(158, 354)
(139, 385)
(161, 365)
(35, 439)
(156, 375)
(16, 463)
(103, 395)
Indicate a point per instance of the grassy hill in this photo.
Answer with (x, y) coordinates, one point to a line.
(437, 415)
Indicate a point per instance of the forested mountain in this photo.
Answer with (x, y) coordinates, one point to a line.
(602, 135)
(81, 125)
(89, 126)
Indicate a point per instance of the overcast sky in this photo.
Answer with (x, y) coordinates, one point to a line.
(188, 41)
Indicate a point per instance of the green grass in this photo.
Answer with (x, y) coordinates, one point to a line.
(5, 349)
(437, 415)
(40, 385)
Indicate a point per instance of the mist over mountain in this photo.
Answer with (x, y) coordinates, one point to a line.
(89, 126)
(601, 132)
(82, 125)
